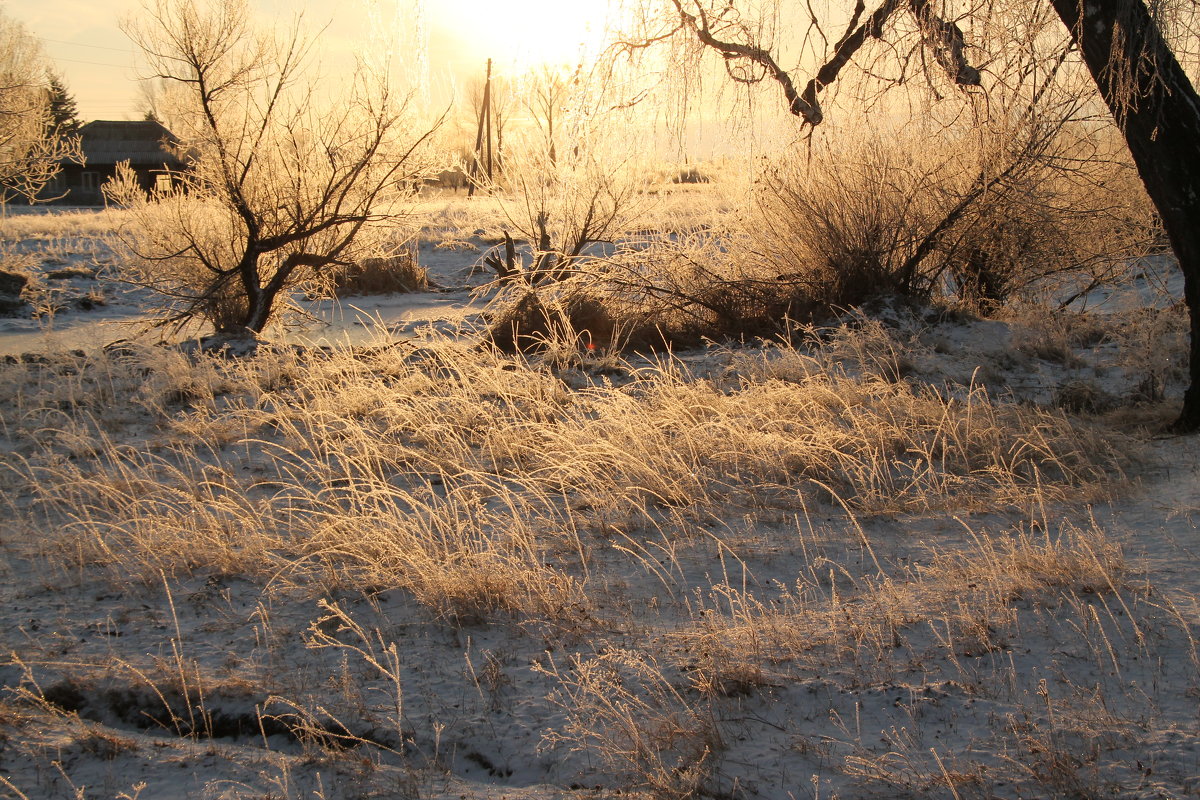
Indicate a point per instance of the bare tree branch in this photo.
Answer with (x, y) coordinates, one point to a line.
(284, 183)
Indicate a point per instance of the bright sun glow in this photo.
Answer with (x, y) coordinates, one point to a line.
(520, 34)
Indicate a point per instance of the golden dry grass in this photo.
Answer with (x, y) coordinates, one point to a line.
(484, 488)
(457, 474)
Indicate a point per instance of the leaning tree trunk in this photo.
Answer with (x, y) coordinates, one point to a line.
(258, 301)
(1157, 108)
(258, 311)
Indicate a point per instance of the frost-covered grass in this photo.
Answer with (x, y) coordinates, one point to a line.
(474, 463)
(433, 569)
(908, 553)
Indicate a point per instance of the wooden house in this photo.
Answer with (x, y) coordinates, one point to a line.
(145, 144)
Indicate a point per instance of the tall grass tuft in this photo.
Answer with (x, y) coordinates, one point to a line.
(462, 475)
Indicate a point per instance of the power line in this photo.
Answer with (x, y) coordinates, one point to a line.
(95, 63)
(93, 46)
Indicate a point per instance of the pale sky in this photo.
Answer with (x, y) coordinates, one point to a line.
(100, 66)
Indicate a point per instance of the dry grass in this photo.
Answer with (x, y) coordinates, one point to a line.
(1153, 349)
(62, 225)
(486, 488)
(455, 474)
(549, 493)
(398, 273)
(963, 603)
(683, 288)
(477, 467)
(623, 707)
(951, 633)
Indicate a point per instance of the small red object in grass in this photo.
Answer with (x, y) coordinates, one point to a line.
(591, 346)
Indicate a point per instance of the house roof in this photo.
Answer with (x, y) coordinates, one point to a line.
(139, 142)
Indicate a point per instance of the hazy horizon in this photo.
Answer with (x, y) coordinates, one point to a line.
(102, 69)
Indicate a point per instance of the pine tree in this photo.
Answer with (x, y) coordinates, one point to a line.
(64, 115)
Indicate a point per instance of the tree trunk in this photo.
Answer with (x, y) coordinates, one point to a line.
(1158, 110)
(258, 299)
(259, 312)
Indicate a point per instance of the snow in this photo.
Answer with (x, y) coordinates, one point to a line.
(210, 683)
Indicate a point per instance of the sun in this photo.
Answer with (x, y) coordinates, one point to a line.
(519, 35)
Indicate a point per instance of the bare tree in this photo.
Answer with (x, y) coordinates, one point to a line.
(1122, 44)
(287, 178)
(32, 148)
(1156, 106)
(160, 101)
(544, 97)
(564, 203)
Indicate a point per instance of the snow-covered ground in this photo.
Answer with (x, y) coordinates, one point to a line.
(76, 268)
(988, 630)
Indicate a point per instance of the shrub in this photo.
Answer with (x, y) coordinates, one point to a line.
(400, 273)
(578, 316)
(844, 231)
(650, 294)
(980, 222)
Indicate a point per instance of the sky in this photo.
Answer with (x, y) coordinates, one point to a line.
(100, 65)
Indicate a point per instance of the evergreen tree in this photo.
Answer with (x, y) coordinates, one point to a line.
(64, 115)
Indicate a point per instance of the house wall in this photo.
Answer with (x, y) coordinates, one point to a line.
(81, 186)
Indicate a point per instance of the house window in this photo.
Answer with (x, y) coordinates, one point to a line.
(162, 182)
(88, 181)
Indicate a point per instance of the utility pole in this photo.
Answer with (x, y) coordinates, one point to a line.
(485, 126)
(487, 104)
